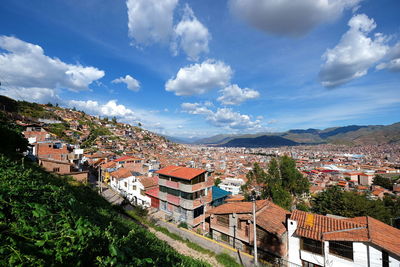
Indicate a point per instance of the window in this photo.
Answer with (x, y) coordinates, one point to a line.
(311, 245)
(385, 259)
(142, 192)
(198, 211)
(239, 225)
(125, 184)
(223, 220)
(341, 248)
(134, 187)
(56, 169)
(224, 237)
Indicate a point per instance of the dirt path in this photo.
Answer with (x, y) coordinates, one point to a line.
(185, 250)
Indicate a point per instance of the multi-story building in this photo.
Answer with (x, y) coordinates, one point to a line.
(133, 186)
(232, 185)
(184, 194)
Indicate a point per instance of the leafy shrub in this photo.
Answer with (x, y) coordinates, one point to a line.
(47, 221)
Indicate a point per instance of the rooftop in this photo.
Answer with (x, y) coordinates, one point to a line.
(181, 172)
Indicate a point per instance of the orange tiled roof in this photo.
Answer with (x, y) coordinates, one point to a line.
(148, 182)
(271, 218)
(121, 173)
(365, 229)
(319, 227)
(181, 172)
(110, 164)
(238, 207)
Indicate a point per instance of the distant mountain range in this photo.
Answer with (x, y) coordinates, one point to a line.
(349, 135)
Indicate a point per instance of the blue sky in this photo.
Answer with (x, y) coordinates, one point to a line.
(199, 68)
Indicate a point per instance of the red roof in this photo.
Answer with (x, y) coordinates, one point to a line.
(123, 158)
(153, 192)
(181, 172)
(362, 229)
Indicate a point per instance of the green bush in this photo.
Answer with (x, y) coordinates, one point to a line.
(46, 220)
(227, 260)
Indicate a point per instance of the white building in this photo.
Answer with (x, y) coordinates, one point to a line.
(132, 185)
(231, 185)
(317, 240)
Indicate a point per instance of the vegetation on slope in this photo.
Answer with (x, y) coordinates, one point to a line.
(46, 220)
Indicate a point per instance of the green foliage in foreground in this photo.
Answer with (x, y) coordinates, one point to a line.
(50, 221)
(349, 204)
(227, 260)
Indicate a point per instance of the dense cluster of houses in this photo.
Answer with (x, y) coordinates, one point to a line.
(178, 182)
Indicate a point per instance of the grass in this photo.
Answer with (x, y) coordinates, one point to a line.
(227, 260)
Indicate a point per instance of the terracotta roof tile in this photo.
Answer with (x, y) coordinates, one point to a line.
(238, 207)
(181, 172)
(121, 173)
(148, 182)
(365, 229)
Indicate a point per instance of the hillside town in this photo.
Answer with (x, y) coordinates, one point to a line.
(178, 183)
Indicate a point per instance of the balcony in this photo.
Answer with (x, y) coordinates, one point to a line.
(190, 204)
(191, 188)
(173, 199)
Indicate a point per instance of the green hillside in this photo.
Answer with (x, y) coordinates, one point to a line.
(47, 220)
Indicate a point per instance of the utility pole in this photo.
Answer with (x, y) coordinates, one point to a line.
(253, 198)
(98, 180)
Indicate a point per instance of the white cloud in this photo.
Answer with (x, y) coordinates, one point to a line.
(150, 21)
(130, 82)
(394, 59)
(355, 53)
(223, 117)
(227, 118)
(24, 65)
(195, 108)
(32, 94)
(191, 35)
(288, 17)
(234, 95)
(200, 78)
(111, 108)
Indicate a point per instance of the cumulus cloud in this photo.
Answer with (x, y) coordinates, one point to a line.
(199, 78)
(130, 82)
(288, 17)
(195, 108)
(227, 118)
(32, 94)
(355, 53)
(223, 117)
(394, 59)
(150, 21)
(24, 65)
(111, 108)
(191, 35)
(234, 95)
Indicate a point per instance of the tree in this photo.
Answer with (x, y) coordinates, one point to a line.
(281, 182)
(114, 120)
(349, 204)
(12, 142)
(217, 181)
(382, 181)
(139, 124)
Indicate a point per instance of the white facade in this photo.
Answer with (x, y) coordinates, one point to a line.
(364, 254)
(131, 188)
(231, 185)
